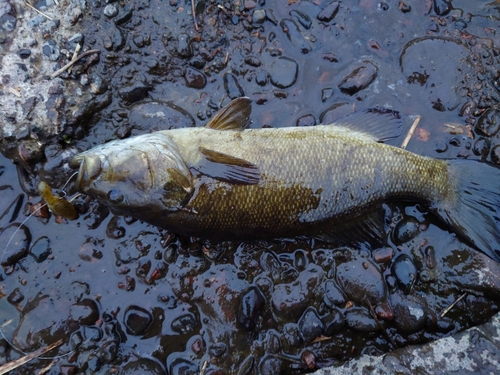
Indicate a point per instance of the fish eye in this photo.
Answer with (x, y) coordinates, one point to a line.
(115, 196)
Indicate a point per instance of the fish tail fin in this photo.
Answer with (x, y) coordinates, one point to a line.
(472, 208)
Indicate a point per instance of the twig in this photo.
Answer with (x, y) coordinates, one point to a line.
(381, 326)
(72, 62)
(39, 11)
(75, 54)
(410, 132)
(21, 361)
(204, 367)
(447, 310)
(14, 92)
(194, 15)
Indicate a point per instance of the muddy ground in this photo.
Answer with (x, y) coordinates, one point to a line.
(126, 297)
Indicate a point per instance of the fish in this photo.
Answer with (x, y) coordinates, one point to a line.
(57, 205)
(226, 181)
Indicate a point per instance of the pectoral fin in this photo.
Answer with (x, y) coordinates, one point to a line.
(234, 116)
(379, 124)
(227, 168)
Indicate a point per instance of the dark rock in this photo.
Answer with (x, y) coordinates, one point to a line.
(261, 78)
(41, 249)
(360, 320)
(284, 72)
(30, 151)
(15, 297)
(270, 365)
(410, 312)
(184, 48)
(489, 123)
(195, 79)
(334, 112)
(333, 295)
(18, 237)
(184, 324)
(24, 53)
(137, 320)
(405, 231)
(252, 61)
(143, 366)
(107, 351)
(124, 15)
(291, 335)
(293, 33)
(49, 27)
(217, 350)
(247, 366)
(442, 7)
(181, 366)
(8, 23)
(84, 312)
(251, 305)
(303, 18)
(134, 92)
(232, 87)
(329, 12)
(405, 272)
(359, 78)
(51, 50)
(306, 120)
(482, 147)
(383, 255)
(334, 323)
(310, 325)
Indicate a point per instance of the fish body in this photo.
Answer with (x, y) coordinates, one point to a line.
(224, 182)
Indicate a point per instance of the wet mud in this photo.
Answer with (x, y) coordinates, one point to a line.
(126, 297)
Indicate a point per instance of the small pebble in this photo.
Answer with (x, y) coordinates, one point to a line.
(110, 10)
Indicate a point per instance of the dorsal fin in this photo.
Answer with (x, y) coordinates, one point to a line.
(380, 124)
(234, 116)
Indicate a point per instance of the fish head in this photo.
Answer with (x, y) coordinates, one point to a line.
(140, 174)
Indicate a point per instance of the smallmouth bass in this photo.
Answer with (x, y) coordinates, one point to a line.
(227, 182)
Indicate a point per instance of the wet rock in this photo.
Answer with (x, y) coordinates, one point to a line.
(360, 320)
(24, 53)
(495, 154)
(137, 320)
(42, 321)
(181, 366)
(259, 16)
(300, 260)
(110, 10)
(124, 16)
(326, 94)
(333, 295)
(405, 231)
(18, 238)
(334, 112)
(184, 324)
(310, 325)
(253, 61)
(283, 72)
(272, 265)
(15, 297)
(303, 18)
(405, 272)
(291, 335)
(84, 312)
(410, 312)
(232, 87)
(359, 78)
(482, 147)
(442, 7)
(383, 255)
(154, 116)
(184, 48)
(108, 351)
(247, 366)
(404, 7)
(430, 257)
(134, 92)
(270, 365)
(329, 12)
(114, 39)
(291, 29)
(30, 151)
(361, 280)
(334, 323)
(195, 79)
(489, 123)
(143, 366)
(251, 305)
(306, 120)
(41, 249)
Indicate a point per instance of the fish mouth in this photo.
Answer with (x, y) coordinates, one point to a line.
(89, 167)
